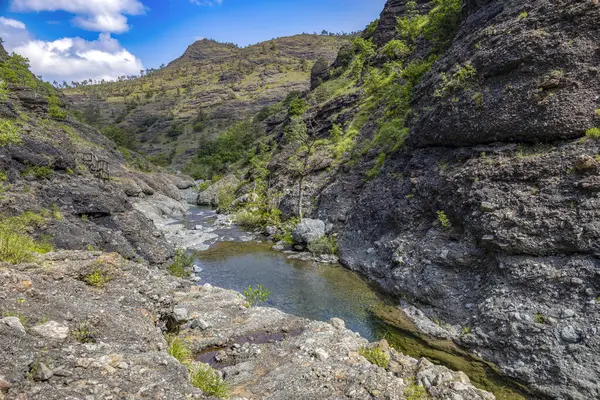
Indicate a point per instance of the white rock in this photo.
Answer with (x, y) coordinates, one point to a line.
(14, 323)
(51, 330)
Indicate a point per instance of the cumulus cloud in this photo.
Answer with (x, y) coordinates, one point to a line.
(70, 59)
(93, 15)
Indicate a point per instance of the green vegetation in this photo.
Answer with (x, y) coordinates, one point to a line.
(98, 278)
(375, 356)
(444, 21)
(179, 350)
(84, 333)
(9, 133)
(415, 392)
(370, 29)
(15, 70)
(466, 330)
(215, 156)
(182, 264)
(522, 15)
(120, 137)
(39, 171)
(22, 319)
(539, 318)
(3, 91)
(55, 110)
(325, 245)
(256, 296)
(16, 244)
(209, 381)
(593, 133)
(443, 220)
(460, 79)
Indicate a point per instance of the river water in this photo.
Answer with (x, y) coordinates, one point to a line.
(236, 259)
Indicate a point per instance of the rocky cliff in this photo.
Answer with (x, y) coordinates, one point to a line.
(457, 162)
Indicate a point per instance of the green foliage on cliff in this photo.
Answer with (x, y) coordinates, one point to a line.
(55, 110)
(16, 244)
(9, 133)
(120, 136)
(375, 356)
(209, 380)
(443, 23)
(182, 264)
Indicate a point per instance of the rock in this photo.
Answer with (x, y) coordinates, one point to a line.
(4, 383)
(199, 323)
(321, 354)
(338, 323)
(569, 335)
(308, 231)
(14, 323)
(41, 372)
(271, 230)
(181, 314)
(51, 330)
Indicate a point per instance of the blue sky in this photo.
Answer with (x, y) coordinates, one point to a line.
(74, 39)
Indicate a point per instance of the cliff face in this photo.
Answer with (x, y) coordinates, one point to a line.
(485, 216)
(45, 170)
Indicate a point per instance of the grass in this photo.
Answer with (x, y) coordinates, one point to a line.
(181, 264)
(179, 350)
(21, 317)
(256, 296)
(40, 172)
(16, 245)
(375, 356)
(539, 318)
(208, 380)
(325, 245)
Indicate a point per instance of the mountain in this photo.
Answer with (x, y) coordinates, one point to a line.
(201, 94)
(452, 153)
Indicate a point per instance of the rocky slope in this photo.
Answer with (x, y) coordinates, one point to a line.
(482, 209)
(44, 172)
(204, 92)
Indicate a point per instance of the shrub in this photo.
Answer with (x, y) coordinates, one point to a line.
(459, 80)
(395, 49)
(55, 110)
(593, 133)
(9, 133)
(325, 245)
(522, 15)
(3, 91)
(98, 278)
(15, 70)
(370, 29)
(120, 136)
(40, 172)
(297, 108)
(84, 333)
(249, 219)
(256, 296)
(375, 356)
(209, 381)
(444, 21)
(179, 350)
(225, 197)
(181, 264)
(16, 246)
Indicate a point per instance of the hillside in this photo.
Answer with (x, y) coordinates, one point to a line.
(204, 92)
(453, 155)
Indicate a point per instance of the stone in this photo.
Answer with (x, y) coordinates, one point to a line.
(41, 372)
(569, 335)
(338, 323)
(308, 231)
(199, 323)
(181, 314)
(321, 354)
(51, 330)
(14, 323)
(4, 383)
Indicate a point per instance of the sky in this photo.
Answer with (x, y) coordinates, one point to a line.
(73, 40)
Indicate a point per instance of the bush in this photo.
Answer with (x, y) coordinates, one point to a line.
(84, 333)
(395, 49)
(297, 108)
(256, 296)
(16, 246)
(209, 381)
(593, 133)
(3, 91)
(415, 392)
(249, 219)
(98, 278)
(459, 80)
(443, 220)
(120, 136)
(370, 29)
(40, 172)
(325, 245)
(444, 21)
(9, 133)
(182, 264)
(375, 356)
(55, 110)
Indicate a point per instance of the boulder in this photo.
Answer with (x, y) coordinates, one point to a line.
(309, 230)
(51, 330)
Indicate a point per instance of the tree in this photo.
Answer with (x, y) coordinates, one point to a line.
(302, 162)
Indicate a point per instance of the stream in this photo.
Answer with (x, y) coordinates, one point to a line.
(236, 259)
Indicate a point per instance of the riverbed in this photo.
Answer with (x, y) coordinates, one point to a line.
(236, 259)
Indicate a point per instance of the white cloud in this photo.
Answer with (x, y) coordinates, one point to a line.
(76, 59)
(11, 23)
(93, 15)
